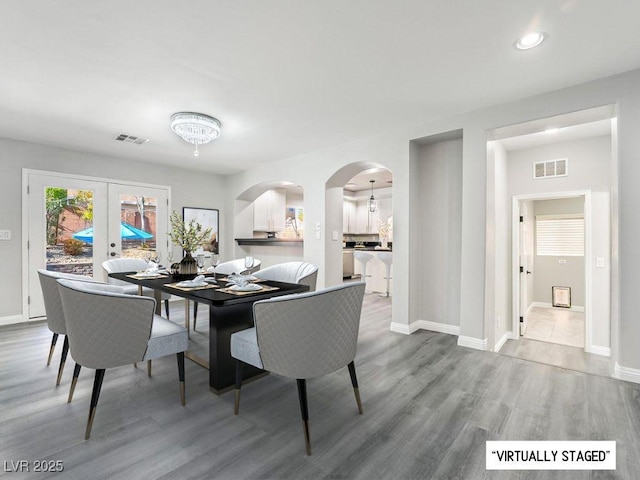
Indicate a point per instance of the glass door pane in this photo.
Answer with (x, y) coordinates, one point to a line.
(138, 222)
(69, 230)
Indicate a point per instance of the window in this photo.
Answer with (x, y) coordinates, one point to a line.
(560, 235)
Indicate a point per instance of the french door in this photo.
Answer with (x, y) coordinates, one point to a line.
(74, 224)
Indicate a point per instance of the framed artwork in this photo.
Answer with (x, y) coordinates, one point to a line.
(561, 296)
(208, 218)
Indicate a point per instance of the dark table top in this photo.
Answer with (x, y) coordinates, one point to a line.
(211, 296)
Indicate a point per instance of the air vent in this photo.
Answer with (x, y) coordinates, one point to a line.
(551, 168)
(123, 137)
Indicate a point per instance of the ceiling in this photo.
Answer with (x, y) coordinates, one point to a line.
(382, 179)
(284, 77)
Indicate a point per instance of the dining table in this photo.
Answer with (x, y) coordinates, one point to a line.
(229, 312)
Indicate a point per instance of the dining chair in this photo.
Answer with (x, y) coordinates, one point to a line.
(291, 272)
(118, 265)
(302, 336)
(227, 268)
(109, 330)
(54, 312)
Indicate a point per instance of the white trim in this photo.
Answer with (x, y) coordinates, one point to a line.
(597, 350)
(574, 308)
(626, 373)
(13, 319)
(435, 327)
(472, 342)
(506, 336)
(401, 328)
(424, 325)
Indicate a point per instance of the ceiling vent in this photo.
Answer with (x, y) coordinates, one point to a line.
(123, 137)
(551, 168)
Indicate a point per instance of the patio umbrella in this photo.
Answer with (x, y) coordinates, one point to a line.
(128, 232)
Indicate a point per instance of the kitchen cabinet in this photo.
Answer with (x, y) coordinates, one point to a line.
(349, 217)
(269, 211)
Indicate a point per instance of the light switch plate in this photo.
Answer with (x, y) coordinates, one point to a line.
(599, 262)
(334, 236)
(5, 234)
(318, 235)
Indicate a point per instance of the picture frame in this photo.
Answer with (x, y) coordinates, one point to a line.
(208, 218)
(561, 297)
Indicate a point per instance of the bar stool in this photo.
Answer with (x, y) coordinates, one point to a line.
(363, 258)
(387, 259)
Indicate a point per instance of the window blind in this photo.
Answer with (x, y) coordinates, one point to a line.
(560, 235)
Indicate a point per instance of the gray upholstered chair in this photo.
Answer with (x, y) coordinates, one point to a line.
(302, 336)
(227, 268)
(117, 265)
(237, 266)
(291, 272)
(108, 330)
(54, 312)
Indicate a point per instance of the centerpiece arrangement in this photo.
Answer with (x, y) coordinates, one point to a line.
(383, 231)
(190, 236)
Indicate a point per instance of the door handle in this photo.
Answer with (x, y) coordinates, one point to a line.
(114, 254)
(528, 272)
(113, 245)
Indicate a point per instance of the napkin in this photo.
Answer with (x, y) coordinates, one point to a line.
(249, 287)
(152, 267)
(196, 282)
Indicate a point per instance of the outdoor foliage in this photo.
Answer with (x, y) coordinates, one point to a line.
(73, 246)
(56, 200)
(188, 236)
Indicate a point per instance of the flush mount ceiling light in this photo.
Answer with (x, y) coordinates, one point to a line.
(196, 128)
(530, 40)
(371, 203)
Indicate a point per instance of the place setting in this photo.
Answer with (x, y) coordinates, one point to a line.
(154, 268)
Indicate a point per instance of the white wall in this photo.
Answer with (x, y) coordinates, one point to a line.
(192, 189)
(439, 228)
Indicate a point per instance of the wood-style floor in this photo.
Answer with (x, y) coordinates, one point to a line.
(429, 407)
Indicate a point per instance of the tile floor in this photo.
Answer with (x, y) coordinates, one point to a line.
(555, 325)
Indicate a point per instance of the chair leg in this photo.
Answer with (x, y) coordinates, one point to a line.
(304, 410)
(236, 406)
(63, 358)
(53, 346)
(180, 356)
(166, 307)
(148, 368)
(354, 383)
(195, 315)
(76, 374)
(97, 385)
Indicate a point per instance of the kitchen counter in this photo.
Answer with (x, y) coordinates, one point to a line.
(274, 242)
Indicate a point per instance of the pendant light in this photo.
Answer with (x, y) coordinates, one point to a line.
(371, 203)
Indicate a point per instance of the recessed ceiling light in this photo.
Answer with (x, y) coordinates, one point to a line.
(530, 40)
(351, 184)
(551, 130)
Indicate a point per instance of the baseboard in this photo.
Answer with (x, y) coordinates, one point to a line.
(574, 308)
(11, 319)
(472, 342)
(425, 325)
(625, 373)
(506, 336)
(604, 351)
(435, 327)
(400, 328)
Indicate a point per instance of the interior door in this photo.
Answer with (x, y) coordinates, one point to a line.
(67, 226)
(526, 266)
(138, 221)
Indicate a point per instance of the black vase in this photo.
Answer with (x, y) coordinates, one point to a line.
(188, 265)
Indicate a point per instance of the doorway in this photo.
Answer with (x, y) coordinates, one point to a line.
(551, 269)
(73, 224)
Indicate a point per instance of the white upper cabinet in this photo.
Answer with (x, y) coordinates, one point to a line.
(349, 217)
(269, 211)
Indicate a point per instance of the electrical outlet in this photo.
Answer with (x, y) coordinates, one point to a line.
(5, 234)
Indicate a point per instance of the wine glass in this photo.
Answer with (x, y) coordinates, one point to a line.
(170, 258)
(248, 263)
(215, 260)
(156, 257)
(200, 262)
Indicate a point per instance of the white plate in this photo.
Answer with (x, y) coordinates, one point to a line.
(147, 274)
(251, 287)
(191, 284)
